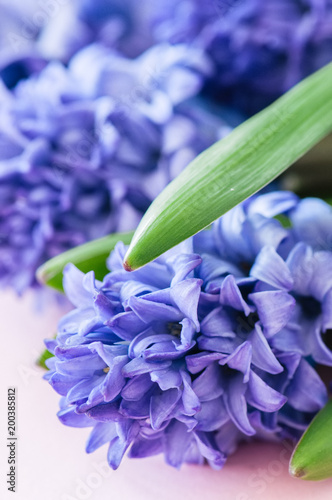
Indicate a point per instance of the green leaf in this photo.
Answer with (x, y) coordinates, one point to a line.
(44, 357)
(87, 257)
(312, 458)
(236, 167)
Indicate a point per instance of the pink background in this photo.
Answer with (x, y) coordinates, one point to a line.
(52, 464)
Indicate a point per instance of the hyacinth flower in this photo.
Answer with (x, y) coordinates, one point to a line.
(83, 153)
(181, 357)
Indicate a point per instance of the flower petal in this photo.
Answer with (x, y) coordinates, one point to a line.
(262, 396)
(236, 405)
(101, 434)
(274, 308)
(306, 391)
(162, 405)
(230, 295)
(272, 269)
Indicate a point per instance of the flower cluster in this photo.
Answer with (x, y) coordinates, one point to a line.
(212, 343)
(83, 154)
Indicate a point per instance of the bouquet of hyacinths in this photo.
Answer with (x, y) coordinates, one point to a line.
(199, 339)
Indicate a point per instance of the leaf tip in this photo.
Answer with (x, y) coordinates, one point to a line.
(127, 266)
(41, 275)
(297, 472)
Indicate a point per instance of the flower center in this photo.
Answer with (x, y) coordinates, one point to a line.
(106, 370)
(311, 307)
(245, 324)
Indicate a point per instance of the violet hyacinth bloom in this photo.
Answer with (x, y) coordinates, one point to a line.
(83, 154)
(181, 357)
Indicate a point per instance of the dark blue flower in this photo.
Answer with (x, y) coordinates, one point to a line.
(201, 348)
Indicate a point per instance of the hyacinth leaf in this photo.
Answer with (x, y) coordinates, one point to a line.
(87, 257)
(43, 358)
(312, 458)
(236, 167)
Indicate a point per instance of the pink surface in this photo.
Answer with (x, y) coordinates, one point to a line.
(52, 464)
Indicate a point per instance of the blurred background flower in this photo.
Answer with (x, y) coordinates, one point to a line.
(83, 153)
(104, 102)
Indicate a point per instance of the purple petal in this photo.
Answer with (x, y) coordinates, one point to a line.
(68, 417)
(114, 380)
(312, 220)
(272, 269)
(230, 295)
(209, 385)
(240, 360)
(147, 310)
(227, 438)
(327, 311)
(321, 282)
(212, 415)
(82, 366)
(306, 391)
(187, 334)
(185, 296)
(183, 265)
(139, 366)
(100, 435)
(190, 400)
(136, 387)
(177, 442)
(301, 265)
(213, 267)
(197, 362)
(236, 405)
(108, 412)
(208, 448)
(167, 379)
(263, 356)
(142, 341)
(127, 430)
(82, 389)
(274, 308)
(126, 325)
(143, 448)
(272, 204)
(73, 286)
(162, 405)
(217, 323)
(61, 383)
(136, 409)
(262, 396)
(166, 351)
